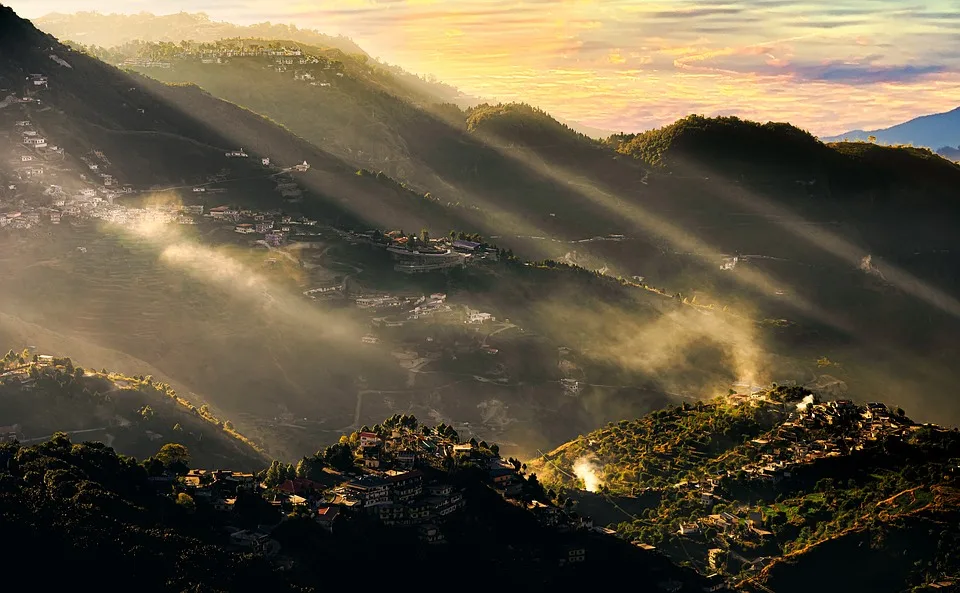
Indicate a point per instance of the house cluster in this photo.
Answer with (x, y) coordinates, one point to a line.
(274, 57)
(412, 309)
(393, 488)
(812, 431)
(415, 255)
(741, 525)
(818, 430)
(275, 227)
(97, 163)
(20, 376)
(32, 152)
(400, 497)
(146, 63)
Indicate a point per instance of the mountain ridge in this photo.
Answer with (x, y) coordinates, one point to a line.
(116, 29)
(934, 131)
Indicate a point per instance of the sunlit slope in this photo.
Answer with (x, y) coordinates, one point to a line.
(177, 137)
(875, 510)
(134, 415)
(125, 295)
(372, 120)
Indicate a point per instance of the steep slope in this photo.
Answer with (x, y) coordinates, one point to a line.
(817, 266)
(225, 322)
(932, 131)
(39, 397)
(371, 117)
(778, 490)
(160, 137)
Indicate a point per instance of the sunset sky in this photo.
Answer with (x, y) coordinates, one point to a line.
(827, 66)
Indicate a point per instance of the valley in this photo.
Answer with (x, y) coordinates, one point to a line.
(271, 305)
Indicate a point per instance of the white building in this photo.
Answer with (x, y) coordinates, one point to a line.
(479, 317)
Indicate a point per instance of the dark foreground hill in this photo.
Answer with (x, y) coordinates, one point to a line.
(95, 509)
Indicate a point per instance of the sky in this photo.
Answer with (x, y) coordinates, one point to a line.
(629, 65)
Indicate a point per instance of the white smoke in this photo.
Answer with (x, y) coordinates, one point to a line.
(587, 470)
(805, 403)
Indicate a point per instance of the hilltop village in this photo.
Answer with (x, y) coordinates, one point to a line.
(736, 510)
(399, 474)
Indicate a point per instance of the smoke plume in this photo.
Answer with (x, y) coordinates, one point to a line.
(587, 470)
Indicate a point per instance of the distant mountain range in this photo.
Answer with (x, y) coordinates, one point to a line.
(939, 131)
(115, 29)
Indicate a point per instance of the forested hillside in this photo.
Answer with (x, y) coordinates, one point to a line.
(779, 489)
(782, 154)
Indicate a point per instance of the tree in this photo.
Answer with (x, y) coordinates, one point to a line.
(153, 466)
(340, 457)
(186, 501)
(872, 139)
(274, 475)
(174, 457)
(303, 468)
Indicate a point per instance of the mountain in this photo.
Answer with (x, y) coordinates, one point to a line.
(776, 152)
(221, 531)
(932, 131)
(43, 395)
(106, 257)
(590, 131)
(715, 271)
(777, 490)
(108, 30)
